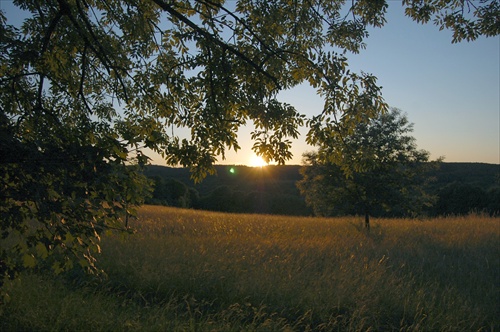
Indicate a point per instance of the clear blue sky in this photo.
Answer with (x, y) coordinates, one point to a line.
(449, 91)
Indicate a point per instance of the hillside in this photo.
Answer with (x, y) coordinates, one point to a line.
(482, 175)
(242, 177)
(272, 189)
(485, 176)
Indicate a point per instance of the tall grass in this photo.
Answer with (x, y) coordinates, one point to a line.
(194, 270)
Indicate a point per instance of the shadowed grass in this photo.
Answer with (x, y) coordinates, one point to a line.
(194, 270)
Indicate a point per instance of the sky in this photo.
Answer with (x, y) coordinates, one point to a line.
(449, 91)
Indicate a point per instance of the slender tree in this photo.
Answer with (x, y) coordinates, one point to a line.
(380, 170)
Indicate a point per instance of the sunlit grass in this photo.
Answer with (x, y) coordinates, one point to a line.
(195, 270)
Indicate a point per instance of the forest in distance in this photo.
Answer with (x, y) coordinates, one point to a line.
(461, 188)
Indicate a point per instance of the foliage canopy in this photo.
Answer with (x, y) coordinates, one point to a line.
(85, 85)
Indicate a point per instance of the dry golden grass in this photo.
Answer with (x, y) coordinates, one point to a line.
(196, 270)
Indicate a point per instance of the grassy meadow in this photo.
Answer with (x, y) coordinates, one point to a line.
(187, 270)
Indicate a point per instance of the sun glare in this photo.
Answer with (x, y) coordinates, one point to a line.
(257, 161)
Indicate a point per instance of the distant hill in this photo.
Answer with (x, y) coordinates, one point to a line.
(242, 177)
(269, 189)
(485, 176)
(272, 189)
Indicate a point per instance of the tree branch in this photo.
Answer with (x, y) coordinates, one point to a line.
(45, 45)
(82, 78)
(168, 8)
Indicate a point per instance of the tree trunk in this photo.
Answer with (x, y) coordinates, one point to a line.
(126, 213)
(367, 221)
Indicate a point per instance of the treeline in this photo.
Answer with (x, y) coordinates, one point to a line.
(463, 198)
(460, 188)
(242, 189)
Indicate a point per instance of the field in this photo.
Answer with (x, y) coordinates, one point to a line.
(188, 270)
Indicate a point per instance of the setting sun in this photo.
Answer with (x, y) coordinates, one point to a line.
(257, 161)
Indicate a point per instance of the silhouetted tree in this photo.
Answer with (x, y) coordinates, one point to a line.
(172, 192)
(458, 198)
(379, 169)
(493, 206)
(224, 199)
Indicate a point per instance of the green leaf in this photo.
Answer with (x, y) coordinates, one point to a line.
(41, 250)
(29, 261)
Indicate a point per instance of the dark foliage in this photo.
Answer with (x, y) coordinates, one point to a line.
(171, 192)
(241, 189)
(272, 189)
(459, 199)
